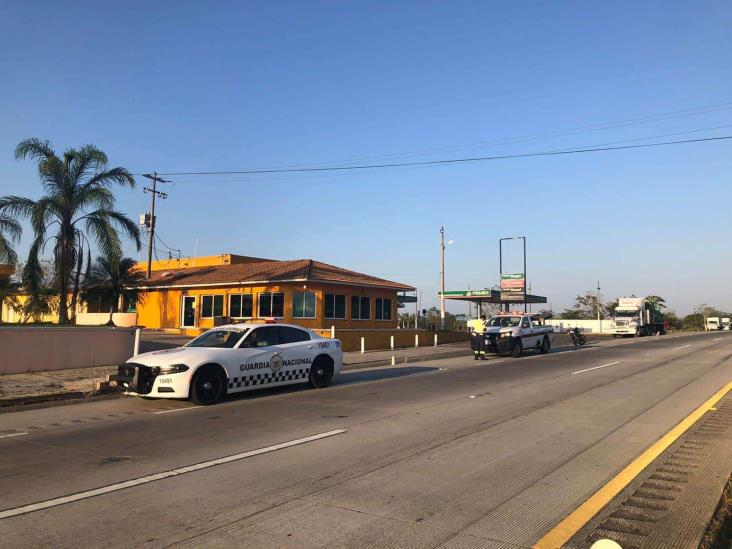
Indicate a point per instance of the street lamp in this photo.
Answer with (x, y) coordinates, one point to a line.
(442, 276)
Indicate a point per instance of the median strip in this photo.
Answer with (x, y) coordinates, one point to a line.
(558, 536)
(596, 367)
(7, 513)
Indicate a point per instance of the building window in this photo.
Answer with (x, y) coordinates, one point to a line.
(335, 306)
(271, 304)
(383, 309)
(360, 308)
(303, 305)
(240, 306)
(212, 305)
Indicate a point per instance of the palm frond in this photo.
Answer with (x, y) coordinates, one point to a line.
(118, 175)
(34, 148)
(106, 238)
(17, 206)
(86, 161)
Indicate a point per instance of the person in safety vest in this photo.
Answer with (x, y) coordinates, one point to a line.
(478, 328)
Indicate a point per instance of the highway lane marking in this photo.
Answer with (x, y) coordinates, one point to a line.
(682, 347)
(13, 435)
(177, 410)
(597, 367)
(717, 338)
(7, 513)
(558, 536)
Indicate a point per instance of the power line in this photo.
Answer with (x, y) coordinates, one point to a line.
(451, 160)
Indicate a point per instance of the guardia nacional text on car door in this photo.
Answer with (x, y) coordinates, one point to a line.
(231, 359)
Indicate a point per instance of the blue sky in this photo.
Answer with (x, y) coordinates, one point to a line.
(196, 86)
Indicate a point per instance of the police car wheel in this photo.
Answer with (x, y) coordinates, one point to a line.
(545, 346)
(321, 373)
(208, 386)
(518, 349)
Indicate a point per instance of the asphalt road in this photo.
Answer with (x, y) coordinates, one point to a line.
(452, 453)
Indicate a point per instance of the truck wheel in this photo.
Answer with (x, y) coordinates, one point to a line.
(208, 385)
(518, 349)
(545, 345)
(321, 372)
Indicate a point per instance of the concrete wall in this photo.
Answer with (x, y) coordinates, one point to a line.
(381, 339)
(42, 349)
(589, 326)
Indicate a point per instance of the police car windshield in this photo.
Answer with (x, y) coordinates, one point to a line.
(220, 338)
(505, 321)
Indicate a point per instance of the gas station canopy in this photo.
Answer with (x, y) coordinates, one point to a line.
(489, 296)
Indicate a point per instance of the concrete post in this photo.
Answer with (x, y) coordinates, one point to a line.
(136, 349)
(393, 360)
(332, 332)
(363, 345)
(416, 340)
(435, 340)
(392, 342)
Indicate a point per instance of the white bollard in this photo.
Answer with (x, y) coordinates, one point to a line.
(136, 348)
(416, 340)
(332, 332)
(363, 345)
(393, 360)
(392, 343)
(435, 340)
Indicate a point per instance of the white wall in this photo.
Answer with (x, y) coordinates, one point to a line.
(41, 348)
(100, 319)
(589, 326)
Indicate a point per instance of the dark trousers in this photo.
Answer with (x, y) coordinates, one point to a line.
(477, 343)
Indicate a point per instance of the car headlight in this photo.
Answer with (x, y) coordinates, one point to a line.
(506, 334)
(173, 369)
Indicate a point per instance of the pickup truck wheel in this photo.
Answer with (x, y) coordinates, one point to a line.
(545, 345)
(518, 349)
(208, 385)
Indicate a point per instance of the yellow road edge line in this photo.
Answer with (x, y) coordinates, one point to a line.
(562, 532)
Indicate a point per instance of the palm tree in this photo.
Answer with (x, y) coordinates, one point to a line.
(108, 280)
(11, 228)
(77, 205)
(8, 292)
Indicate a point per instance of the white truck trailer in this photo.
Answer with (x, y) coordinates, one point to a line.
(712, 324)
(726, 325)
(637, 316)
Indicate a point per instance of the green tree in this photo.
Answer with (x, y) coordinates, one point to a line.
(10, 231)
(78, 205)
(108, 280)
(585, 308)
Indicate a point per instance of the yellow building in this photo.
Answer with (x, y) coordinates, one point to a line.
(193, 295)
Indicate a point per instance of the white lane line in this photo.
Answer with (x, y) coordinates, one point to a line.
(717, 338)
(160, 476)
(682, 347)
(596, 367)
(13, 435)
(177, 410)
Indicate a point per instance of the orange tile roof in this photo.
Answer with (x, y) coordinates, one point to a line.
(266, 271)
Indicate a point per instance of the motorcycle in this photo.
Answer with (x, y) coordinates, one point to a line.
(578, 338)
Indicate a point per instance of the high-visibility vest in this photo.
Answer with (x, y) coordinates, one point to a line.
(478, 325)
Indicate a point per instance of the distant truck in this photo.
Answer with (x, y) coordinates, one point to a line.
(712, 324)
(638, 316)
(726, 324)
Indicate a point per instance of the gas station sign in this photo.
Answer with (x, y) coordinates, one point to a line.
(513, 287)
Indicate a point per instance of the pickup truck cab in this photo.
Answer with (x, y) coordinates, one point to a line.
(514, 333)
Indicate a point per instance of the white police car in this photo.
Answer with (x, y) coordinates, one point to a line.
(233, 358)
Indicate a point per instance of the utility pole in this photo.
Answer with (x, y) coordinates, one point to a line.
(151, 233)
(599, 320)
(442, 278)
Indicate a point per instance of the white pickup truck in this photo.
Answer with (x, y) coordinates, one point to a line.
(513, 333)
